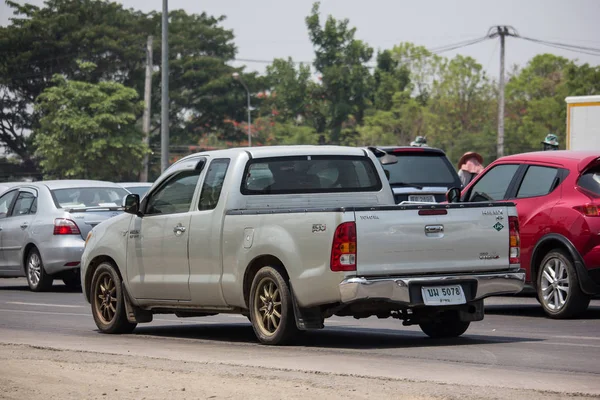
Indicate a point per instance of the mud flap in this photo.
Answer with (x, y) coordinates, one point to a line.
(306, 318)
(134, 314)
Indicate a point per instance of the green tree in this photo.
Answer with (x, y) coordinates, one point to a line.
(290, 87)
(390, 77)
(535, 103)
(463, 102)
(88, 130)
(43, 41)
(347, 83)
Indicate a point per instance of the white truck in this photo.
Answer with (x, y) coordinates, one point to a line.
(583, 123)
(292, 235)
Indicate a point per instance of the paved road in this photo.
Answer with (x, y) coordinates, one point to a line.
(514, 347)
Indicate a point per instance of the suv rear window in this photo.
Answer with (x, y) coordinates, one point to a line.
(590, 180)
(424, 169)
(310, 174)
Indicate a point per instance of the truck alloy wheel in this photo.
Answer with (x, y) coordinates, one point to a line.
(558, 287)
(271, 311)
(108, 308)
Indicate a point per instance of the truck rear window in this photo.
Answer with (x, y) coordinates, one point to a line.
(590, 181)
(310, 174)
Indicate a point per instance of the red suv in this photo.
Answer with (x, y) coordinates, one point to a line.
(557, 194)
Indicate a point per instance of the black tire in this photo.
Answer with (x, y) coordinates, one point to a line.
(108, 304)
(37, 277)
(267, 331)
(72, 279)
(556, 302)
(448, 325)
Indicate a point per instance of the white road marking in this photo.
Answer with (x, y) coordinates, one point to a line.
(43, 305)
(44, 312)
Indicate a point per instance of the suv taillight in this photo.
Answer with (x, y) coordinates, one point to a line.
(343, 250)
(64, 226)
(589, 210)
(514, 251)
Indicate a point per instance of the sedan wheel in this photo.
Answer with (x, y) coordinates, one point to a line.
(37, 278)
(558, 287)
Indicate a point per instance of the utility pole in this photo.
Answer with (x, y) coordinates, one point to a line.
(502, 32)
(164, 121)
(147, 100)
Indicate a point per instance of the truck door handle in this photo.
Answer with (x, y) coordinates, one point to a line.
(24, 225)
(179, 229)
(434, 229)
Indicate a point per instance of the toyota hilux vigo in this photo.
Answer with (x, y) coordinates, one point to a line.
(292, 235)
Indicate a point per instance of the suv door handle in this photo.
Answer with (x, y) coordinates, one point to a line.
(179, 229)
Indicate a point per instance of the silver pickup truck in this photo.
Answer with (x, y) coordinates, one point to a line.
(290, 236)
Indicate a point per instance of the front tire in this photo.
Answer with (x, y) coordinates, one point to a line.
(271, 308)
(37, 277)
(558, 287)
(447, 326)
(108, 303)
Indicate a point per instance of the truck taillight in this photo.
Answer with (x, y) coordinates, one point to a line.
(589, 210)
(514, 252)
(64, 226)
(343, 250)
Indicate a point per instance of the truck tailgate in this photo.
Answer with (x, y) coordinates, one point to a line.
(441, 239)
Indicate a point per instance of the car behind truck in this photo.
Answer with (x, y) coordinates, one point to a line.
(290, 236)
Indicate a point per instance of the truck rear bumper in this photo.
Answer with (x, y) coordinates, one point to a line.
(406, 290)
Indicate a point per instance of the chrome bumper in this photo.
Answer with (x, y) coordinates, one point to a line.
(397, 289)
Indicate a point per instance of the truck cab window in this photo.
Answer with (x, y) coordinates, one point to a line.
(174, 196)
(213, 183)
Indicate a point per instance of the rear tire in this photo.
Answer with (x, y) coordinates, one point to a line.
(271, 308)
(448, 325)
(558, 287)
(37, 278)
(108, 303)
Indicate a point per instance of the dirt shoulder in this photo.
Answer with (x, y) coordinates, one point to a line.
(44, 373)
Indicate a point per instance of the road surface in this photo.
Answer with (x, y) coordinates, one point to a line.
(50, 348)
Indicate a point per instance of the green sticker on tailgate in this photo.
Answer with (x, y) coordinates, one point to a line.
(498, 226)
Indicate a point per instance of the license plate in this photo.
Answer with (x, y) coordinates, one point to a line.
(422, 198)
(443, 295)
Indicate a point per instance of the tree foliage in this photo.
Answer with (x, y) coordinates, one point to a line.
(88, 130)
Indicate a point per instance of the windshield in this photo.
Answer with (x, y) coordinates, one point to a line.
(139, 190)
(424, 169)
(89, 197)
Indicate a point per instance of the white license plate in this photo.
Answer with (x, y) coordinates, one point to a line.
(422, 198)
(443, 295)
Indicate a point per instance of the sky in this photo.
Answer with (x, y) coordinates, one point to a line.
(267, 29)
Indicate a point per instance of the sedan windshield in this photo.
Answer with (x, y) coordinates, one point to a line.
(89, 197)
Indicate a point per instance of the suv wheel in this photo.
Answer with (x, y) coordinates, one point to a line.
(271, 309)
(108, 303)
(558, 287)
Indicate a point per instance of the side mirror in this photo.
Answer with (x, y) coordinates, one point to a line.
(131, 204)
(453, 195)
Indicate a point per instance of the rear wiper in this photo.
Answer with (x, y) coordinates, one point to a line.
(404, 184)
